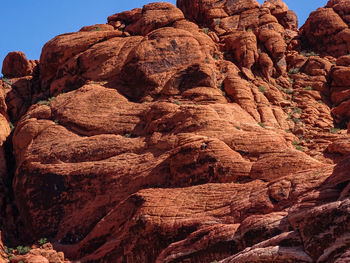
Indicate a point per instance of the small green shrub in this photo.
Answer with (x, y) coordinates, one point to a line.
(224, 93)
(42, 241)
(221, 85)
(216, 56)
(261, 124)
(127, 135)
(297, 146)
(21, 261)
(333, 130)
(218, 21)
(97, 29)
(308, 88)
(291, 81)
(288, 131)
(262, 89)
(7, 81)
(296, 120)
(294, 70)
(177, 102)
(320, 101)
(297, 110)
(206, 30)
(249, 30)
(22, 250)
(46, 102)
(207, 60)
(309, 54)
(12, 127)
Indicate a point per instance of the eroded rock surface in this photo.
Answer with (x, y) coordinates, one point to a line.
(211, 131)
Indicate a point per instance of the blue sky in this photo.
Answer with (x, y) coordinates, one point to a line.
(27, 25)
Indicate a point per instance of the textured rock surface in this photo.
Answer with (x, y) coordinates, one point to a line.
(208, 132)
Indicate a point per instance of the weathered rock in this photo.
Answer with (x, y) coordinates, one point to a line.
(200, 142)
(17, 65)
(154, 16)
(327, 29)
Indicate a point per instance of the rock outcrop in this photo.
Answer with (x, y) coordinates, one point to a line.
(211, 131)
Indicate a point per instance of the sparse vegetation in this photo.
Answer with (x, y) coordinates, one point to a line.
(262, 89)
(97, 29)
(288, 131)
(297, 110)
(238, 128)
(127, 135)
(207, 60)
(221, 85)
(261, 124)
(309, 54)
(42, 241)
(12, 127)
(320, 101)
(291, 81)
(177, 102)
(216, 56)
(22, 250)
(206, 30)
(308, 88)
(297, 146)
(46, 102)
(224, 93)
(334, 130)
(294, 70)
(249, 30)
(296, 120)
(218, 21)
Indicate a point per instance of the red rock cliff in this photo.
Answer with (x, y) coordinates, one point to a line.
(214, 131)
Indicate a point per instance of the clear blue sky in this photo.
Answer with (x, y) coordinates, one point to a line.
(27, 25)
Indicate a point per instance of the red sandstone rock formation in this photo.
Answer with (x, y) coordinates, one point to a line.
(191, 134)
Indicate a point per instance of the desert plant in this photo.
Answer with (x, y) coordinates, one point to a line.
(97, 29)
(320, 101)
(294, 70)
(46, 102)
(218, 21)
(42, 241)
(22, 250)
(296, 120)
(291, 81)
(297, 146)
(261, 124)
(177, 102)
(127, 135)
(12, 127)
(333, 130)
(297, 110)
(216, 56)
(221, 85)
(206, 30)
(309, 54)
(7, 81)
(262, 89)
(308, 88)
